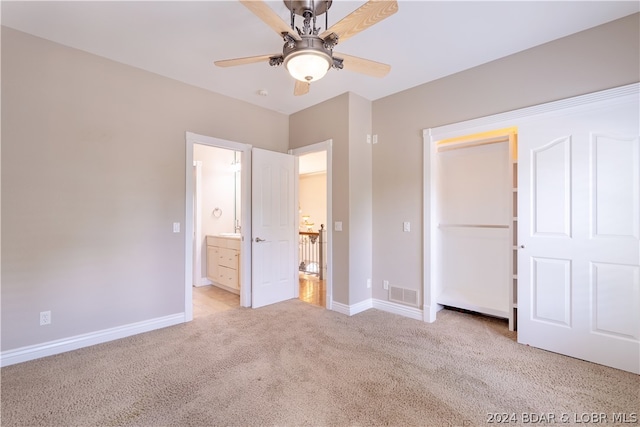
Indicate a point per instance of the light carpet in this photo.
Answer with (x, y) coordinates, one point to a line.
(294, 364)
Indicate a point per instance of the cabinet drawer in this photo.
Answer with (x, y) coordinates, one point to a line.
(214, 241)
(228, 277)
(213, 257)
(228, 258)
(223, 242)
(233, 244)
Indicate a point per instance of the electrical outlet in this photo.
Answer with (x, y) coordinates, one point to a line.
(385, 285)
(368, 283)
(45, 318)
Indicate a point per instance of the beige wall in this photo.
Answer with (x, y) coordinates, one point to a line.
(360, 199)
(350, 119)
(305, 129)
(600, 58)
(312, 193)
(93, 176)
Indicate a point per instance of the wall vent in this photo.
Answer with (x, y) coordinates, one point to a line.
(404, 296)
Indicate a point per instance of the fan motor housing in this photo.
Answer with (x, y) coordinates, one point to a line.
(299, 7)
(307, 44)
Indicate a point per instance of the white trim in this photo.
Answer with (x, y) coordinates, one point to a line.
(314, 148)
(429, 312)
(24, 354)
(399, 309)
(615, 95)
(198, 279)
(351, 310)
(340, 308)
(188, 231)
(202, 281)
(429, 239)
(296, 200)
(536, 110)
(389, 307)
(245, 258)
(360, 306)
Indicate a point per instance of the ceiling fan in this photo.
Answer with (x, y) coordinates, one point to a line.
(308, 54)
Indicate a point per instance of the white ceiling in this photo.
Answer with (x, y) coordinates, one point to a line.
(424, 41)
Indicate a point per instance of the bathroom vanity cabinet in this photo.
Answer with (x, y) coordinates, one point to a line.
(223, 262)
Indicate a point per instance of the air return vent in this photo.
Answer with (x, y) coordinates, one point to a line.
(404, 296)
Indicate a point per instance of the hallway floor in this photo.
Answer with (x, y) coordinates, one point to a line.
(211, 299)
(313, 290)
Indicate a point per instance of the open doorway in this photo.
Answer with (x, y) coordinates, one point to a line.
(314, 234)
(217, 220)
(217, 229)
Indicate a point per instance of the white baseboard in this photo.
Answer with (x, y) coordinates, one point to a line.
(361, 306)
(24, 354)
(430, 312)
(226, 288)
(202, 281)
(390, 307)
(402, 310)
(350, 310)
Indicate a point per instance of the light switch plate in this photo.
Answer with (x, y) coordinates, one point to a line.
(406, 226)
(176, 227)
(338, 226)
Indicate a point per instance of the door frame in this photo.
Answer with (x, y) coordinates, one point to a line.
(314, 148)
(198, 279)
(507, 119)
(245, 251)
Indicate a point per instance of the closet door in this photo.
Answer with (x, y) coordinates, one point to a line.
(474, 196)
(579, 256)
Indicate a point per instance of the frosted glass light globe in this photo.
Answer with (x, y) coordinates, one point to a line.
(307, 66)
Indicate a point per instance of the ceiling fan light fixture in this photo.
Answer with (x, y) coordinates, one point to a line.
(308, 65)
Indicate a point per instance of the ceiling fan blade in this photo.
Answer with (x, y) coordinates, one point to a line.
(269, 17)
(301, 88)
(243, 61)
(364, 66)
(362, 18)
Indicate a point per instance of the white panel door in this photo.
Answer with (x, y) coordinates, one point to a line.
(579, 234)
(274, 244)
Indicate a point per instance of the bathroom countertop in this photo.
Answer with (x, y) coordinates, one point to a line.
(230, 235)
